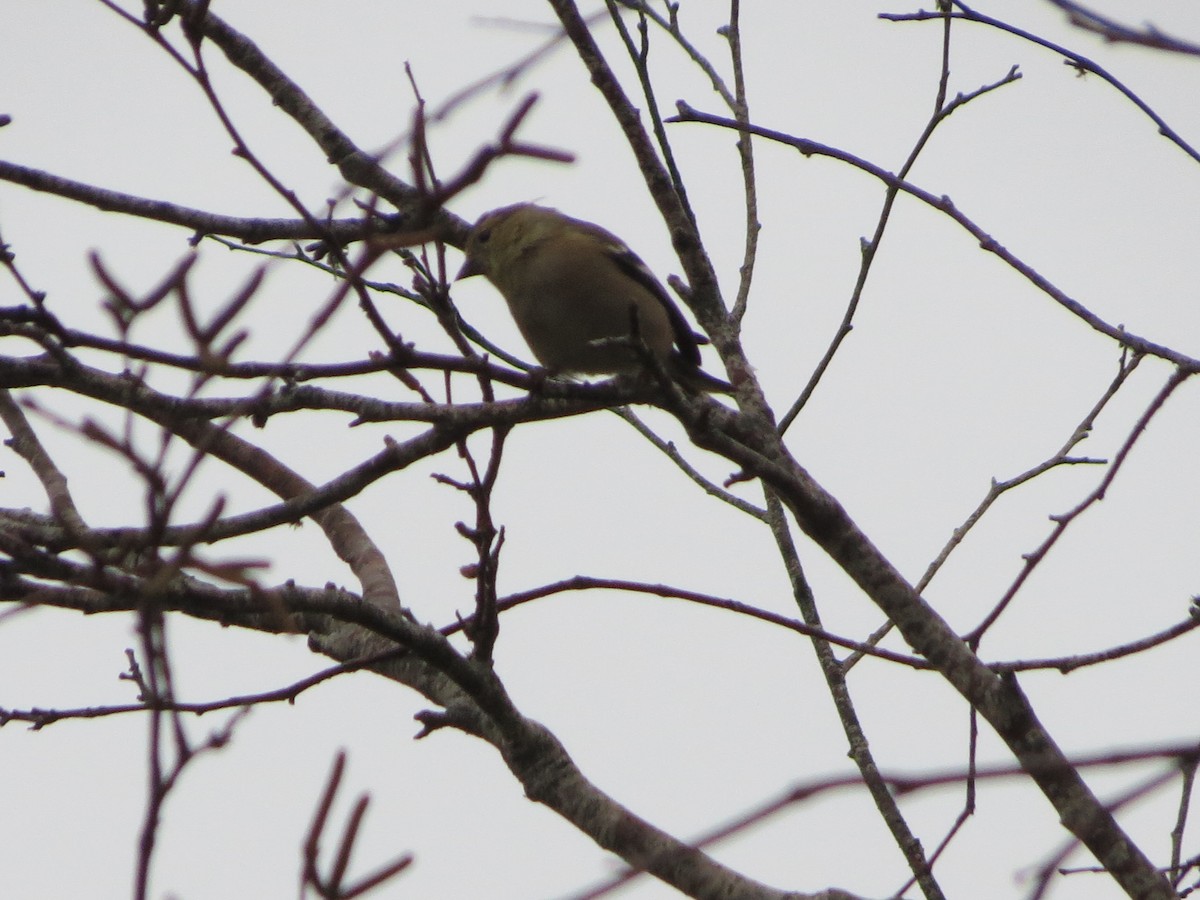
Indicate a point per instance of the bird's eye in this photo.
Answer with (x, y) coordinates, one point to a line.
(484, 236)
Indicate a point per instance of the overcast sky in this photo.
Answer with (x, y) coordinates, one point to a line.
(958, 371)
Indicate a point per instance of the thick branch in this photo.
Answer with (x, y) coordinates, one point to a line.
(998, 699)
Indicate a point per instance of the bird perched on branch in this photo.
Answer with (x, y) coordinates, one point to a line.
(581, 298)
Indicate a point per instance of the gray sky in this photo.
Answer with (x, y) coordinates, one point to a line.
(958, 371)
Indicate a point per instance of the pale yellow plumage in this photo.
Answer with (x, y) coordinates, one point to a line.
(570, 285)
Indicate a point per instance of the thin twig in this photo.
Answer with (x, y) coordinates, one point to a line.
(1063, 521)
(1076, 60)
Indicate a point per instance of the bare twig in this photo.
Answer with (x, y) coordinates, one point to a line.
(1063, 521)
(330, 886)
(997, 488)
(1135, 342)
(856, 736)
(587, 583)
(942, 111)
(904, 785)
(1076, 60)
(1118, 32)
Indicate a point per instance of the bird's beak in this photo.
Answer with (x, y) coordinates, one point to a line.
(469, 268)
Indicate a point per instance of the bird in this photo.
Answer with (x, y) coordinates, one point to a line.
(580, 297)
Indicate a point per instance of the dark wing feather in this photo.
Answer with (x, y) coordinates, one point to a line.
(631, 264)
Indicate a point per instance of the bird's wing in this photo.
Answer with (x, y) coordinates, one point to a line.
(631, 264)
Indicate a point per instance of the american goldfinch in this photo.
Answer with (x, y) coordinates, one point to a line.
(575, 290)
